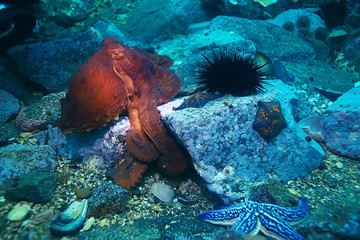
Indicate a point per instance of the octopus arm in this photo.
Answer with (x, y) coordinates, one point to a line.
(170, 84)
(171, 160)
(129, 172)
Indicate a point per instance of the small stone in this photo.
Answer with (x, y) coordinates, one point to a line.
(82, 193)
(163, 192)
(43, 216)
(18, 213)
(102, 223)
(339, 165)
(337, 33)
(88, 224)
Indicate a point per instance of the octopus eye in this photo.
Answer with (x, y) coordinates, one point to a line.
(117, 54)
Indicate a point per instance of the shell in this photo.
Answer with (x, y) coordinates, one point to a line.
(163, 192)
(18, 213)
(71, 220)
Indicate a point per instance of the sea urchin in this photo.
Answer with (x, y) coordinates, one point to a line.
(231, 73)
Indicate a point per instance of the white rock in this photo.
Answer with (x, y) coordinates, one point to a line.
(18, 213)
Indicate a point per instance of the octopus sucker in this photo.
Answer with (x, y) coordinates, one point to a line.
(119, 79)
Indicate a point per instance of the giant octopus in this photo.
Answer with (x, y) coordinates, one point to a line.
(117, 79)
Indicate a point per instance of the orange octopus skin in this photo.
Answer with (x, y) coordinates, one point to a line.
(118, 78)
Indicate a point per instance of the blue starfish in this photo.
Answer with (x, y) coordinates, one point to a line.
(252, 217)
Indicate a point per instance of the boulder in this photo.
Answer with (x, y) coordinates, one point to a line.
(101, 148)
(51, 63)
(107, 198)
(37, 187)
(40, 114)
(341, 123)
(16, 160)
(230, 155)
(9, 105)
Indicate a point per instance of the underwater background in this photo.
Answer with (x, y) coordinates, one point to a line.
(138, 119)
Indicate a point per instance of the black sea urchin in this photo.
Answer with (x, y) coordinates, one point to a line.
(234, 74)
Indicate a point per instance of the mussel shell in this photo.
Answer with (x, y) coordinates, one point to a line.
(64, 225)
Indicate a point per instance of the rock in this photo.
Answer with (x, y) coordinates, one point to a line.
(225, 30)
(13, 83)
(9, 105)
(18, 213)
(16, 160)
(349, 57)
(230, 155)
(339, 165)
(252, 9)
(88, 224)
(65, 12)
(163, 192)
(302, 20)
(271, 191)
(234, 34)
(338, 33)
(82, 193)
(107, 199)
(37, 187)
(150, 229)
(149, 19)
(8, 133)
(43, 216)
(318, 74)
(100, 148)
(40, 114)
(51, 63)
(341, 125)
(330, 179)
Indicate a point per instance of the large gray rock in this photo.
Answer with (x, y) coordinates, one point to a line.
(41, 113)
(16, 160)
(293, 16)
(101, 148)
(37, 187)
(107, 198)
(229, 155)
(259, 9)
(234, 34)
(51, 63)
(65, 12)
(341, 124)
(317, 74)
(151, 20)
(268, 38)
(9, 105)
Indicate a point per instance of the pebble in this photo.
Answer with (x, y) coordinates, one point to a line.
(339, 165)
(102, 223)
(82, 193)
(88, 224)
(18, 213)
(163, 192)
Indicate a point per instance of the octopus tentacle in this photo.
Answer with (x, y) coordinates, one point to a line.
(169, 83)
(138, 143)
(172, 160)
(141, 146)
(129, 172)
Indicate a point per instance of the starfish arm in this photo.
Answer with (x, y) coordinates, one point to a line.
(289, 214)
(227, 216)
(277, 228)
(247, 223)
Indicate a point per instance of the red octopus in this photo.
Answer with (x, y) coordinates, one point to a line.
(118, 78)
